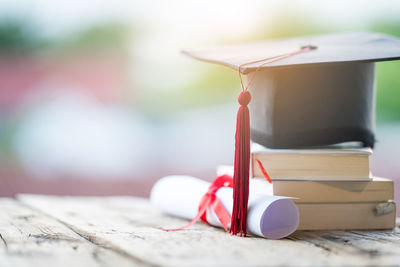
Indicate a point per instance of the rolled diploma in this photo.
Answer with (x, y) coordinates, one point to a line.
(268, 216)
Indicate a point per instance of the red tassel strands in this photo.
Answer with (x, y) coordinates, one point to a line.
(241, 167)
(242, 147)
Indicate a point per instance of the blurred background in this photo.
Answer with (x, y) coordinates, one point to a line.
(96, 99)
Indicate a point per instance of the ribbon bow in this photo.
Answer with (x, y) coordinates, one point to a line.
(210, 200)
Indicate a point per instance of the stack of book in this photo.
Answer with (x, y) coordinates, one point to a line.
(333, 188)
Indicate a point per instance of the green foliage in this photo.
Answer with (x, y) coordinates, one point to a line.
(217, 85)
(20, 35)
(388, 93)
(98, 37)
(388, 78)
(292, 25)
(17, 35)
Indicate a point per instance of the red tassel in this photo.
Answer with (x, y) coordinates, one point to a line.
(242, 145)
(241, 167)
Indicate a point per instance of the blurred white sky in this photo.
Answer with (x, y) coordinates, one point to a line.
(228, 17)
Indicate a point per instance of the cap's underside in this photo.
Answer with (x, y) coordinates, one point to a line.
(313, 105)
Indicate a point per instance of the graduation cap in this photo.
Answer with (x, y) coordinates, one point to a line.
(307, 91)
(321, 97)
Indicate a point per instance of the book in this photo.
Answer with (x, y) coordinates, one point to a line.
(317, 164)
(378, 189)
(347, 216)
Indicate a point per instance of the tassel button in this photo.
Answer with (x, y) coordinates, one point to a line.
(244, 98)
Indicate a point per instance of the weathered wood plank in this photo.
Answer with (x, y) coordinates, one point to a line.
(30, 238)
(131, 226)
(378, 250)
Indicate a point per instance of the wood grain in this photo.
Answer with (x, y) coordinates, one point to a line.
(130, 226)
(30, 238)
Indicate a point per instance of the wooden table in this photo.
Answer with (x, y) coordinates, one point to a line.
(124, 231)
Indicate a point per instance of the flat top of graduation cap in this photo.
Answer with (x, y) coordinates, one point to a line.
(332, 48)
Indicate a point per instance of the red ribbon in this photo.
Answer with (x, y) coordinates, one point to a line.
(210, 200)
(264, 172)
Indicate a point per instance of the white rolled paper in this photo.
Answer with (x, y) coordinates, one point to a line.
(268, 216)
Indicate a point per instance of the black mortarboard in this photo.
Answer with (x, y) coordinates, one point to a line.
(321, 97)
